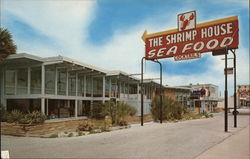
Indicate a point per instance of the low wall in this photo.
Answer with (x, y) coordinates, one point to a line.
(50, 126)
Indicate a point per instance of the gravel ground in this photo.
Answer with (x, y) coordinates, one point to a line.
(181, 140)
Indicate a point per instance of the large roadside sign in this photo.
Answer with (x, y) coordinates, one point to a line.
(189, 40)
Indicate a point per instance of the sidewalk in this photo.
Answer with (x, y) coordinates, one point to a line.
(235, 146)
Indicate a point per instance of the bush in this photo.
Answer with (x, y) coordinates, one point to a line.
(97, 109)
(132, 110)
(118, 111)
(53, 136)
(14, 116)
(35, 117)
(171, 109)
(70, 135)
(85, 126)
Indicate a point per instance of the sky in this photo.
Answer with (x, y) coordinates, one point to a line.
(107, 34)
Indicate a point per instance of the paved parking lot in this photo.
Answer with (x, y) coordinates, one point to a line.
(182, 140)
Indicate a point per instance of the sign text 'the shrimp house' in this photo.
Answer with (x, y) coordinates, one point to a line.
(191, 39)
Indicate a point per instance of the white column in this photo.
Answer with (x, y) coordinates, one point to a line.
(110, 88)
(128, 90)
(119, 95)
(56, 81)
(47, 106)
(84, 86)
(43, 89)
(76, 84)
(29, 77)
(43, 80)
(92, 90)
(67, 82)
(103, 89)
(15, 82)
(76, 107)
(43, 105)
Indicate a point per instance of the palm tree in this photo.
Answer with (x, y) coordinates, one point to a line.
(7, 46)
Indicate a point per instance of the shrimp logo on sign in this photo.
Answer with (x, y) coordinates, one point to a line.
(187, 21)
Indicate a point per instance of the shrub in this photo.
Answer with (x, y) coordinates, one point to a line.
(118, 111)
(97, 109)
(80, 133)
(106, 125)
(171, 109)
(53, 136)
(70, 135)
(35, 117)
(85, 126)
(132, 110)
(14, 116)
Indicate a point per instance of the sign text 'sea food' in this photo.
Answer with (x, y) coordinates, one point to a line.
(205, 37)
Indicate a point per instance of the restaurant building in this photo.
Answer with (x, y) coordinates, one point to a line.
(62, 87)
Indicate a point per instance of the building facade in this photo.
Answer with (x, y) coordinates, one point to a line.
(62, 87)
(203, 97)
(243, 94)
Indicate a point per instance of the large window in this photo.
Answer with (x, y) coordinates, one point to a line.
(72, 83)
(88, 86)
(107, 85)
(97, 86)
(35, 80)
(22, 81)
(61, 82)
(80, 85)
(114, 88)
(10, 82)
(50, 76)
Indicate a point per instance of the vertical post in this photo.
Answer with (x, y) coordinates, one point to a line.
(47, 106)
(110, 87)
(226, 93)
(67, 82)
(142, 91)
(28, 91)
(235, 98)
(43, 89)
(103, 89)
(43, 105)
(56, 79)
(43, 80)
(84, 86)
(15, 82)
(76, 107)
(76, 84)
(160, 93)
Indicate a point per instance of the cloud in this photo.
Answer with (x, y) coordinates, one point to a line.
(67, 24)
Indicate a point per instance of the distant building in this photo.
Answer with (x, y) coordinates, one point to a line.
(243, 94)
(204, 97)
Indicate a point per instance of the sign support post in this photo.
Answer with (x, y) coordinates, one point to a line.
(226, 93)
(235, 97)
(142, 89)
